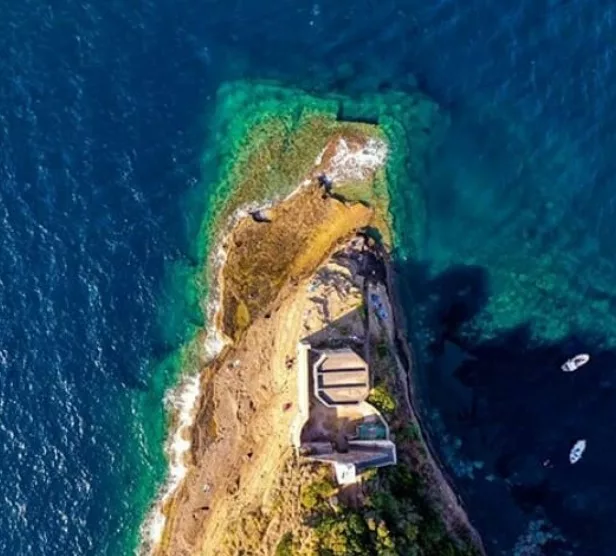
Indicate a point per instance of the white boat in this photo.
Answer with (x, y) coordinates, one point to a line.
(577, 451)
(575, 363)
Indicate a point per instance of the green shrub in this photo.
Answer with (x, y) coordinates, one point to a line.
(370, 474)
(385, 545)
(432, 532)
(387, 506)
(285, 546)
(362, 310)
(381, 399)
(408, 433)
(411, 532)
(382, 350)
(403, 481)
(314, 494)
(346, 535)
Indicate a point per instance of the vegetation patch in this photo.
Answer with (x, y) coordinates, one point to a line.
(285, 546)
(315, 495)
(381, 398)
(395, 519)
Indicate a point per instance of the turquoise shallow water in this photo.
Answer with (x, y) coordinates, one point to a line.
(105, 113)
(514, 275)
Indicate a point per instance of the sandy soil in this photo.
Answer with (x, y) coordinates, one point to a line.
(241, 438)
(242, 463)
(249, 390)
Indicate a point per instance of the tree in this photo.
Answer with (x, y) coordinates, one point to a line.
(344, 536)
(385, 545)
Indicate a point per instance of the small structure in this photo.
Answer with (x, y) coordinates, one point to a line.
(345, 473)
(335, 423)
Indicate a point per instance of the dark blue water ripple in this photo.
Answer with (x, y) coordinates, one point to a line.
(103, 112)
(94, 155)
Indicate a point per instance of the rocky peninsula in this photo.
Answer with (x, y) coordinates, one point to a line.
(300, 238)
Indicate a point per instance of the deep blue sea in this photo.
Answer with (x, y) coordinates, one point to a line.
(104, 109)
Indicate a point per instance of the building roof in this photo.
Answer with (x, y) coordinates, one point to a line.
(341, 377)
(342, 359)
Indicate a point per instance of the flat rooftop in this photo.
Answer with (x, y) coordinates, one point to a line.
(341, 377)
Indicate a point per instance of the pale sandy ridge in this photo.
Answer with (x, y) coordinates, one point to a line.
(264, 466)
(181, 401)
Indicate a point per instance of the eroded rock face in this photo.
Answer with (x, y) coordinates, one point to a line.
(263, 258)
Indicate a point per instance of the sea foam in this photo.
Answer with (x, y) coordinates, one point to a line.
(181, 402)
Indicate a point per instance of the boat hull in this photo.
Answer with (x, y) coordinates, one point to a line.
(577, 451)
(575, 363)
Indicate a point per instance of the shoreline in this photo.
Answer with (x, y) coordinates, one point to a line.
(215, 339)
(405, 348)
(181, 400)
(229, 439)
(186, 397)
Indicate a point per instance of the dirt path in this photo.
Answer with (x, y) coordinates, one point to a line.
(269, 428)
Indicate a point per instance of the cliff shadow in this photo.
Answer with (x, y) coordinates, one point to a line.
(508, 416)
(444, 302)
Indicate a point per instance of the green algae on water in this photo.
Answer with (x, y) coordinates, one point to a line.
(267, 138)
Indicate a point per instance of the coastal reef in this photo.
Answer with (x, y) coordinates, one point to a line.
(298, 241)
